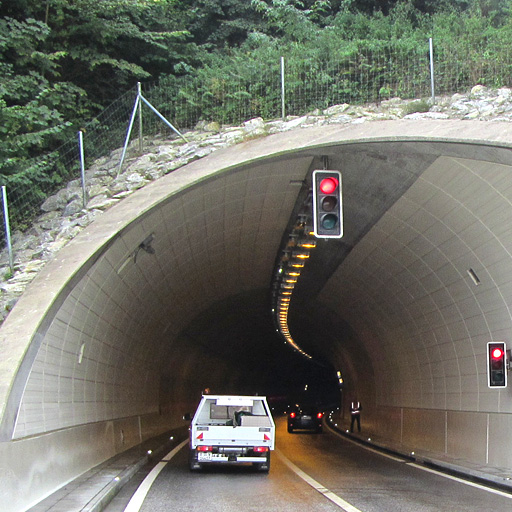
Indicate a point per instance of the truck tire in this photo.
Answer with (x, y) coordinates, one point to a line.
(265, 466)
(193, 464)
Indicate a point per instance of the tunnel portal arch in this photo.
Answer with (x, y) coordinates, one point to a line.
(97, 334)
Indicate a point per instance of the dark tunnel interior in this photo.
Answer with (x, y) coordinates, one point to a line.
(237, 337)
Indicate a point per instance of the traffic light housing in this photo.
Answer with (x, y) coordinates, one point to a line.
(497, 364)
(327, 204)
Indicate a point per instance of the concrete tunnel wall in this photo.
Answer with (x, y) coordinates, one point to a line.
(84, 350)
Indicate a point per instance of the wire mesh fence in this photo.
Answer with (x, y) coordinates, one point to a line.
(243, 87)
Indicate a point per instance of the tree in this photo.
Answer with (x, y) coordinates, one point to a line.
(33, 110)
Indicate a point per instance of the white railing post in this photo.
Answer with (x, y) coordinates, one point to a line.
(283, 113)
(431, 47)
(7, 229)
(82, 166)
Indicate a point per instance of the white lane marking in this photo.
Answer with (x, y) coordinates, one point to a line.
(424, 468)
(140, 494)
(369, 448)
(461, 480)
(340, 502)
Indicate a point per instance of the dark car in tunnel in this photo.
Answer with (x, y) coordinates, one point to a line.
(305, 417)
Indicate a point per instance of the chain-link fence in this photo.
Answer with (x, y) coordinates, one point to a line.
(244, 88)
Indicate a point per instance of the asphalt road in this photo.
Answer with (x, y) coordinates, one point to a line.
(320, 472)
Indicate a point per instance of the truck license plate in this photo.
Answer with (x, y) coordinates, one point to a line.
(204, 456)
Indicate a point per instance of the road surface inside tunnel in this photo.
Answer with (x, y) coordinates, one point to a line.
(320, 472)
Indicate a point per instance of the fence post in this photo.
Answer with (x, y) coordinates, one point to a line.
(283, 113)
(139, 92)
(431, 48)
(129, 132)
(82, 166)
(7, 228)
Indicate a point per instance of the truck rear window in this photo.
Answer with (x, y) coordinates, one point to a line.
(225, 412)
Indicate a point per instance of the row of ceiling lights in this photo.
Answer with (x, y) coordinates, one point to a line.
(290, 265)
(326, 215)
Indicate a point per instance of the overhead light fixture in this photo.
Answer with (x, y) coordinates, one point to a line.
(473, 276)
(307, 243)
(303, 255)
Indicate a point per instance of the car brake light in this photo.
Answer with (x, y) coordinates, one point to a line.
(204, 448)
(292, 415)
(320, 415)
(261, 449)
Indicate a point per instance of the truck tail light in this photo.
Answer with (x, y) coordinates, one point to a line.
(204, 448)
(260, 449)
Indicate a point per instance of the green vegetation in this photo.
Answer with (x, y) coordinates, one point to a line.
(64, 61)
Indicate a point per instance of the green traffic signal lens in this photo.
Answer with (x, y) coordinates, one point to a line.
(329, 221)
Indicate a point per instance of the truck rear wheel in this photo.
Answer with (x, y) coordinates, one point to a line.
(193, 464)
(265, 466)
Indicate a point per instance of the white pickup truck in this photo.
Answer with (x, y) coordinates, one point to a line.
(229, 429)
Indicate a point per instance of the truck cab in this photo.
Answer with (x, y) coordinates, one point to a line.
(232, 429)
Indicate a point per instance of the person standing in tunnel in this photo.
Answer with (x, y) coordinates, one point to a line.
(355, 413)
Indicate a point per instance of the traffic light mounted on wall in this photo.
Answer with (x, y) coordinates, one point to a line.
(497, 364)
(327, 204)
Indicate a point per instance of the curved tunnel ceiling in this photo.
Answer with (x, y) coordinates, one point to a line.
(167, 292)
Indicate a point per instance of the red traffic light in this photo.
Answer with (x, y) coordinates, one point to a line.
(497, 364)
(327, 204)
(328, 185)
(497, 353)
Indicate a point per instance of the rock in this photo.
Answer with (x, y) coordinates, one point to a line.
(101, 202)
(336, 109)
(69, 232)
(254, 127)
(95, 190)
(212, 127)
(135, 181)
(294, 123)
(504, 92)
(457, 97)
(478, 90)
(73, 207)
(55, 202)
(392, 102)
(426, 115)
